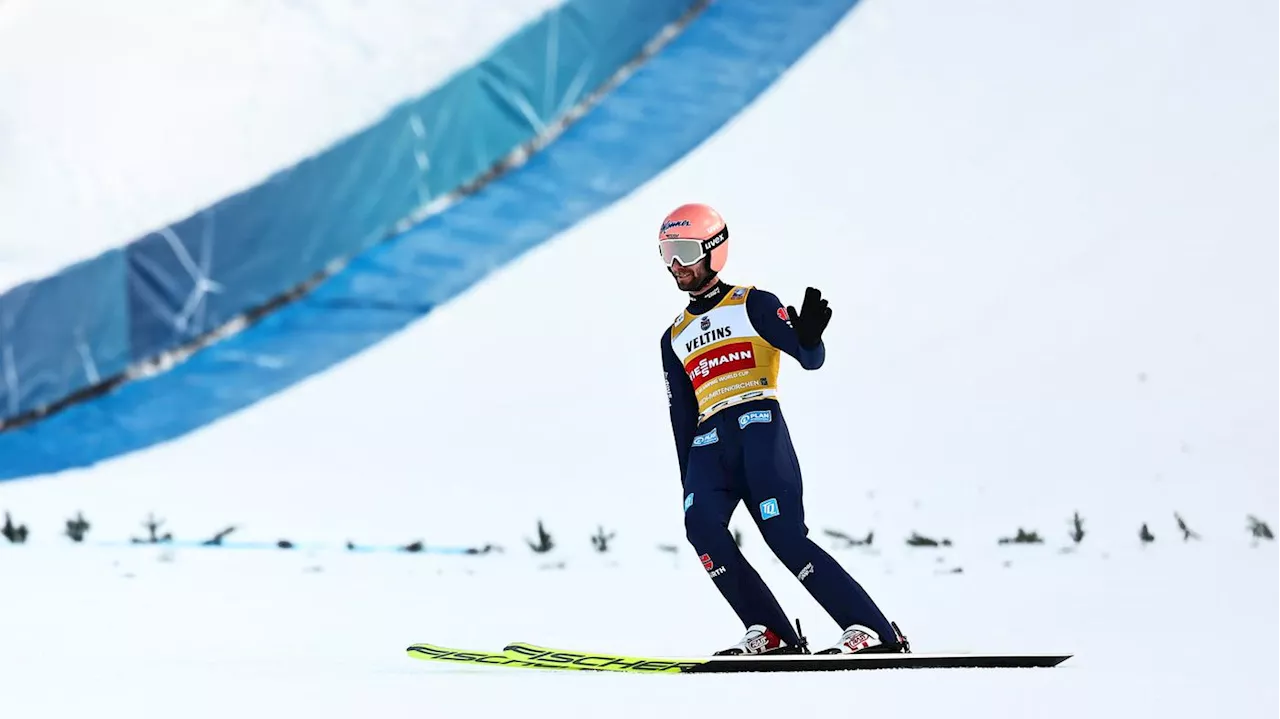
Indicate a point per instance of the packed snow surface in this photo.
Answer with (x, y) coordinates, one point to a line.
(1170, 630)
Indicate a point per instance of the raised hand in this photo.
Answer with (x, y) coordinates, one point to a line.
(812, 319)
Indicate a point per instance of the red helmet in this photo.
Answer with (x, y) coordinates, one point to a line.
(692, 232)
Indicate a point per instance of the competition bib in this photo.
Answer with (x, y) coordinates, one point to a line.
(726, 361)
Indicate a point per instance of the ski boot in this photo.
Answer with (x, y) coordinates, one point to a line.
(858, 639)
(760, 639)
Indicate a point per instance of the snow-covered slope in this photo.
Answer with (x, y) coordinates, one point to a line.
(139, 113)
(1048, 235)
(208, 633)
(1047, 298)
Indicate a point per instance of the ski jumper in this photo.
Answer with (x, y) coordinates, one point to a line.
(721, 359)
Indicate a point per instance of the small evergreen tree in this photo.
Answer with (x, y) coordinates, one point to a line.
(77, 528)
(600, 540)
(545, 543)
(1077, 528)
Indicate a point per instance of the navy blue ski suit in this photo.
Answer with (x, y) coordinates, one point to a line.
(743, 453)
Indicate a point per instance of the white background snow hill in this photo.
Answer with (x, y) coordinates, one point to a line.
(1047, 298)
(143, 112)
(1048, 233)
(202, 272)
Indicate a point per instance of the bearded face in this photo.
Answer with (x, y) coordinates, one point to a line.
(691, 279)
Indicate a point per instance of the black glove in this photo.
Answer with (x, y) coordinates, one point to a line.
(811, 320)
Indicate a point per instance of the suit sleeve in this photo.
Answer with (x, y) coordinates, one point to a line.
(770, 319)
(680, 402)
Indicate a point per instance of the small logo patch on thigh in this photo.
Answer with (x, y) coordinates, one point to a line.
(688, 502)
(760, 415)
(769, 508)
(703, 440)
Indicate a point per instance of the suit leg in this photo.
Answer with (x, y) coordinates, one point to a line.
(709, 501)
(775, 498)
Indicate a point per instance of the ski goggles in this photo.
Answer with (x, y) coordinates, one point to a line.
(688, 252)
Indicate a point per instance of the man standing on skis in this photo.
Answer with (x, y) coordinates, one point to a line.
(721, 359)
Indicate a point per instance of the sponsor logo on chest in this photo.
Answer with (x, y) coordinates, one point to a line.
(703, 350)
(706, 338)
(719, 323)
(721, 361)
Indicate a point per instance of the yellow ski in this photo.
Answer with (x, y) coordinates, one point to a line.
(520, 655)
(431, 652)
(545, 656)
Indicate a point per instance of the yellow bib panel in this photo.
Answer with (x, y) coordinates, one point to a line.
(726, 360)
